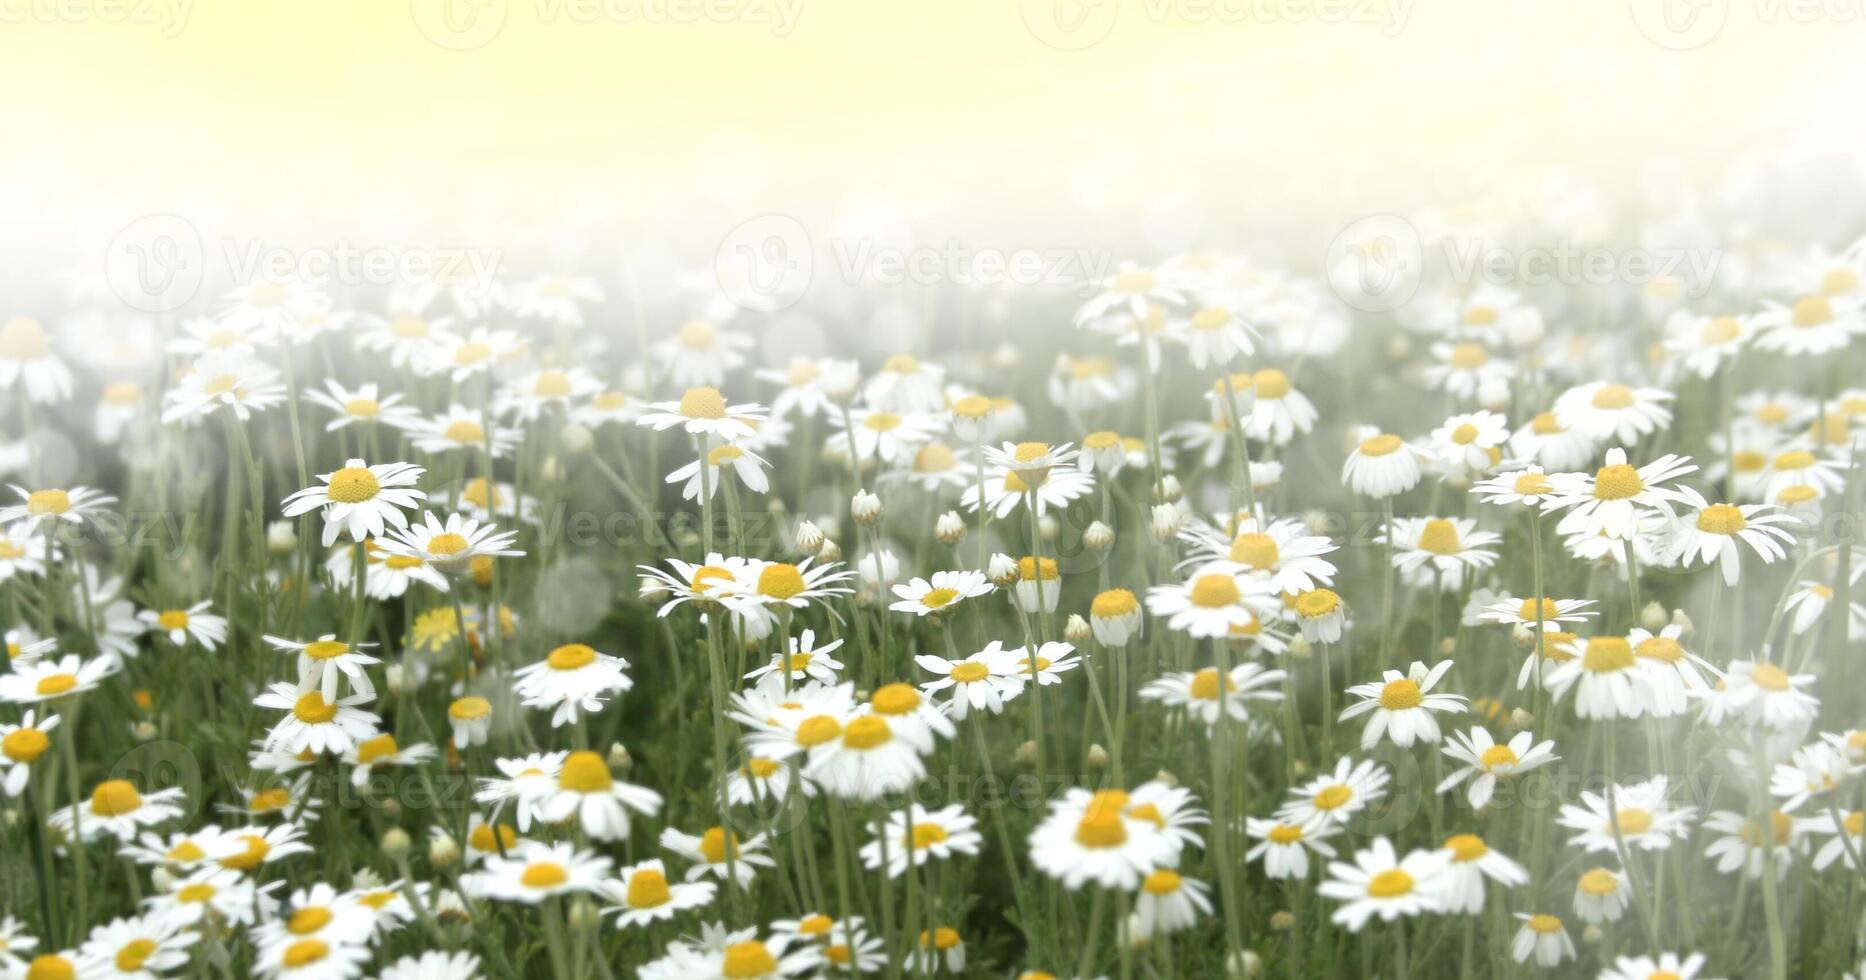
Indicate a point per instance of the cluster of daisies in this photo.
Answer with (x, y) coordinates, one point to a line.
(1091, 683)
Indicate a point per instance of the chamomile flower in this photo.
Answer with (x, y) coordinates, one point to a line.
(363, 406)
(1839, 848)
(450, 546)
(1115, 617)
(1381, 465)
(704, 412)
(1131, 289)
(1646, 967)
(1284, 846)
(1439, 552)
(21, 553)
(1645, 819)
(1469, 861)
(523, 782)
(1280, 412)
(1550, 613)
(1609, 411)
(1005, 488)
(1701, 344)
(722, 955)
(1767, 694)
(1813, 326)
(530, 396)
(710, 852)
(462, 356)
(47, 680)
(1486, 761)
(1798, 468)
(1552, 444)
(1544, 937)
(920, 836)
(1740, 845)
(360, 499)
(1205, 698)
(178, 626)
(1093, 838)
(315, 723)
(908, 386)
(983, 681)
(571, 678)
(946, 589)
(382, 750)
(763, 584)
(118, 809)
(138, 947)
(1380, 882)
(1528, 487)
(642, 895)
(1608, 678)
(22, 745)
(461, 429)
(1168, 902)
(1612, 500)
(1215, 336)
(73, 506)
(805, 661)
(588, 792)
(1671, 670)
(23, 646)
(235, 382)
(1709, 534)
(1469, 443)
(1284, 552)
(748, 466)
(433, 965)
(1403, 705)
(26, 356)
(536, 871)
(762, 780)
(1217, 597)
(555, 299)
(1336, 796)
(876, 752)
(804, 380)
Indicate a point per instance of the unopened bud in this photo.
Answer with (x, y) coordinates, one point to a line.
(396, 843)
(1653, 617)
(1592, 934)
(1076, 629)
(949, 528)
(443, 851)
(551, 470)
(1523, 638)
(577, 439)
(1097, 757)
(162, 880)
(1398, 346)
(1047, 526)
(1026, 753)
(829, 552)
(1300, 648)
(1447, 646)
(865, 508)
(809, 538)
(1099, 537)
(281, 537)
(145, 731)
(1680, 619)
(1244, 965)
(582, 914)
(1006, 357)
(1170, 490)
(395, 678)
(619, 759)
(1167, 521)
(1282, 920)
(1002, 570)
(1166, 778)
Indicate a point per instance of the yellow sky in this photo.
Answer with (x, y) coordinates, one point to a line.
(333, 110)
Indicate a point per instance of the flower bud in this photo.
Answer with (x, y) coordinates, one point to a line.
(281, 537)
(1447, 646)
(865, 507)
(1098, 538)
(1282, 920)
(443, 851)
(1265, 476)
(1026, 753)
(829, 552)
(395, 843)
(619, 759)
(1399, 346)
(395, 678)
(145, 731)
(1653, 617)
(1076, 629)
(1097, 758)
(1166, 778)
(1170, 490)
(1245, 965)
(1167, 520)
(1680, 619)
(949, 528)
(1002, 570)
(1522, 718)
(809, 538)
(577, 439)
(1047, 526)
(1523, 638)
(1300, 648)
(582, 914)
(162, 880)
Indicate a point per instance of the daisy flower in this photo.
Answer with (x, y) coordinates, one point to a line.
(1167, 903)
(1214, 336)
(1005, 488)
(1813, 770)
(1814, 326)
(875, 752)
(762, 584)
(908, 386)
(461, 357)
(1131, 289)
(14, 940)
(26, 356)
(1280, 412)
(523, 782)
(1646, 967)
(1469, 861)
(806, 661)
(530, 396)
(1319, 613)
(461, 429)
(1543, 937)
(722, 955)
(1381, 465)
(1403, 705)
(1701, 344)
(571, 678)
(1438, 552)
(20, 554)
(554, 299)
(921, 836)
(1529, 487)
(1380, 883)
(382, 750)
(1616, 495)
(1217, 597)
(983, 681)
(139, 947)
(1469, 443)
(642, 895)
(1285, 846)
(118, 809)
(433, 965)
(947, 588)
(315, 723)
(761, 780)
(586, 791)
(704, 412)
(1768, 694)
(1548, 614)
(360, 499)
(709, 854)
(536, 871)
(1610, 681)
(804, 389)
(44, 680)
(72, 506)
(363, 406)
(1671, 670)
(611, 407)
(451, 546)
(21, 745)
(1548, 442)
(1711, 534)
(1802, 468)
(1199, 691)
(748, 466)
(1604, 410)
(218, 380)
(179, 625)
(1601, 895)
(1092, 838)
(1337, 796)
(1740, 844)
(23, 646)
(1115, 617)
(1853, 825)
(936, 469)
(1486, 761)
(1645, 820)
(1283, 552)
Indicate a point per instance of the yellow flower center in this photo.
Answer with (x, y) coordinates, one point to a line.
(22, 339)
(1498, 756)
(1098, 441)
(1255, 549)
(1466, 848)
(195, 894)
(585, 772)
(408, 326)
(1214, 591)
(1162, 882)
(1380, 445)
(936, 598)
(972, 407)
(1400, 695)
(471, 352)
(123, 393)
(1799, 459)
(1661, 648)
(1317, 603)
(1468, 356)
(312, 709)
(1800, 493)
(380, 747)
(866, 732)
(1721, 519)
(1633, 822)
(307, 920)
(571, 656)
(781, 581)
(1333, 797)
(970, 672)
(1599, 882)
(925, 835)
(1546, 925)
(551, 384)
(1113, 603)
(1205, 684)
(482, 839)
(748, 959)
(41, 503)
(1101, 827)
(24, 745)
(1606, 654)
(882, 421)
(254, 854)
(173, 619)
(543, 874)
(895, 699)
(1028, 569)
(305, 952)
(1133, 282)
(1613, 397)
(697, 334)
(703, 403)
(713, 845)
(469, 708)
(934, 457)
(1769, 677)
(1617, 482)
(1270, 383)
(52, 685)
(1285, 833)
(762, 768)
(1719, 330)
(817, 729)
(1812, 311)
(115, 797)
(1440, 536)
(465, 431)
(352, 485)
(1464, 434)
(1391, 883)
(647, 889)
(1532, 484)
(134, 954)
(901, 364)
(1838, 281)
(270, 800)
